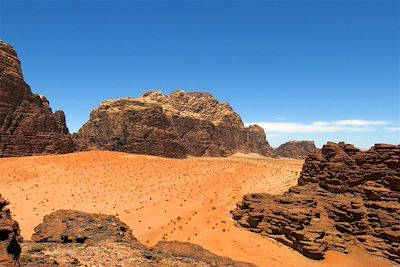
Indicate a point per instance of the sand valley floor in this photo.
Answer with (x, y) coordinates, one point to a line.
(160, 198)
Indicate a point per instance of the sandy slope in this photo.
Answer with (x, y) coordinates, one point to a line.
(187, 200)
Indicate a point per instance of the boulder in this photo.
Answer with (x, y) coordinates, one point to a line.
(70, 226)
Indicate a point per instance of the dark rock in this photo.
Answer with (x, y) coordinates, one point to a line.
(296, 149)
(343, 196)
(27, 124)
(10, 249)
(70, 226)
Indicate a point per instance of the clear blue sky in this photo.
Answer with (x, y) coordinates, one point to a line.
(313, 69)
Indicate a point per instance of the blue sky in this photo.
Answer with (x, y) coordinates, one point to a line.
(314, 69)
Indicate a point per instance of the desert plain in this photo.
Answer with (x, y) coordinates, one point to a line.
(162, 198)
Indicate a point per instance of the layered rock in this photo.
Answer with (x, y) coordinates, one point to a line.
(27, 124)
(296, 149)
(70, 226)
(177, 125)
(344, 196)
(10, 249)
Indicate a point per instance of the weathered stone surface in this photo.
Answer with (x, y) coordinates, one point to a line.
(177, 125)
(27, 124)
(95, 239)
(10, 249)
(189, 250)
(70, 226)
(344, 196)
(296, 149)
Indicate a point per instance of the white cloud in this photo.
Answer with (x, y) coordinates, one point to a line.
(393, 129)
(352, 125)
(360, 123)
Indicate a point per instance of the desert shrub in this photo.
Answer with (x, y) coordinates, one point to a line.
(37, 248)
(25, 258)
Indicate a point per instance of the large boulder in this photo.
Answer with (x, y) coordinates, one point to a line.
(296, 149)
(70, 226)
(27, 124)
(175, 125)
(10, 249)
(344, 196)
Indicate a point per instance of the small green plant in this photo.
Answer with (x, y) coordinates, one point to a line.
(37, 248)
(25, 258)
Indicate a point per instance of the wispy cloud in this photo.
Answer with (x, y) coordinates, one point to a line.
(351, 125)
(393, 129)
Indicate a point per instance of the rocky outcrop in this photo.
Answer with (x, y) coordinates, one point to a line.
(70, 226)
(344, 196)
(10, 249)
(84, 239)
(189, 250)
(177, 125)
(296, 149)
(27, 124)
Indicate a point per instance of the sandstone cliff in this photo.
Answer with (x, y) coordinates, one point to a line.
(177, 125)
(27, 124)
(10, 250)
(295, 149)
(344, 196)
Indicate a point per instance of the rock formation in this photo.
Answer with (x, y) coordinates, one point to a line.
(84, 239)
(185, 249)
(344, 196)
(66, 226)
(10, 249)
(177, 125)
(27, 124)
(296, 149)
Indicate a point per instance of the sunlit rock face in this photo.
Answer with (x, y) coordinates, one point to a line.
(175, 125)
(27, 124)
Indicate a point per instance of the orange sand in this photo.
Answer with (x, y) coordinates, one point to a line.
(186, 200)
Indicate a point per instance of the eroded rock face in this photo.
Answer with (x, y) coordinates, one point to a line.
(27, 124)
(296, 149)
(95, 239)
(189, 250)
(343, 196)
(70, 226)
(177, 125)
(10, 249)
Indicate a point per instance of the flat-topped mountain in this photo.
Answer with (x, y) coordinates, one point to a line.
(295, 149)
(175, 125)
(27, 124)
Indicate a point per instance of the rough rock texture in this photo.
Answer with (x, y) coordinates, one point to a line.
(177, 125)
(344, 196)
(185, 249)
(296, 149)
(27, 124)
(108, 253)
(74, 238)
(10, 249)
(66, 226)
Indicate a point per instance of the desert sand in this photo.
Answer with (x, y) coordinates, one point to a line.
(162, 198)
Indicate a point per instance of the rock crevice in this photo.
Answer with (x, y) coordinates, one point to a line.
(175, 125)
(27, 124)
(344, 196)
